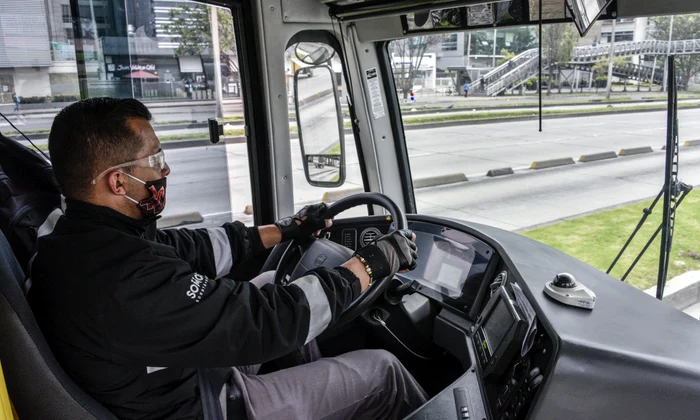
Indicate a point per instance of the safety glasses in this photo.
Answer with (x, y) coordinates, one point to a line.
(156, 161)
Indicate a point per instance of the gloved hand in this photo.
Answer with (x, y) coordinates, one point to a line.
(306, 222)
(390, 254)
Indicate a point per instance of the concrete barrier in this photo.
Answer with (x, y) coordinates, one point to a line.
(335, 195)
(552, 163)
(682, 291)
(636, 151)
(500, 172)
(179, 219)
(597, 156)
(433, 181)
(315, 96)
(691, 143)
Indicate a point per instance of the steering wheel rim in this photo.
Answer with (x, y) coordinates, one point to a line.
(378, 286)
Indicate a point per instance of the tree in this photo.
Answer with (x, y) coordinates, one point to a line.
(601, 66)
(558, 45)
(407, 56)
(684, 27)
(192, 25)
(481, 43)
(523, 39)
(507, 55)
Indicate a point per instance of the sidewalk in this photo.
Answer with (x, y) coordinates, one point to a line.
(54, 107)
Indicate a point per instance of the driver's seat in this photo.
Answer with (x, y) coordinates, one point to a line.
(38, 387)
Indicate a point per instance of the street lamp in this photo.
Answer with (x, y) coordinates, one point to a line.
(668, 53)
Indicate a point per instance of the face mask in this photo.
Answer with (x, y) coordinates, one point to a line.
(152, 206)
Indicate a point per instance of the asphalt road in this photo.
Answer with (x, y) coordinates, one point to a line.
(199, 112)
(198, 179)
(542, 197)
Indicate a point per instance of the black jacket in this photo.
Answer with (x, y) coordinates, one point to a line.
(130, 312)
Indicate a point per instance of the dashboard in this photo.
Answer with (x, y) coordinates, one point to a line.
(478, 298)
(451, 264)
(466, 277)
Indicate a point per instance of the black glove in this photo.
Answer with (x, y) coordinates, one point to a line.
(314, 221)
(390, 254)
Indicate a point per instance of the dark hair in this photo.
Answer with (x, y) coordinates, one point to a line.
(91, 135)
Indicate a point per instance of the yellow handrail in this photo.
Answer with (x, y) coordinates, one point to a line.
(7, 411)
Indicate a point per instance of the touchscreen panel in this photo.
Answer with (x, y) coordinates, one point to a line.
(497, 325)
(447, 265)
(451, 264)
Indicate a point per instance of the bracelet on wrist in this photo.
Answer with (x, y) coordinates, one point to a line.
(368, 269)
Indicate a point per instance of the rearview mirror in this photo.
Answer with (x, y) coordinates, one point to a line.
(320, 126)
(314, 53)
(586, 12)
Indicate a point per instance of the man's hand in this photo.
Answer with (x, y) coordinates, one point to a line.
(309, 220)
(390, 254)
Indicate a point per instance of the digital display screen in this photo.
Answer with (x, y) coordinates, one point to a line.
(448, 264)
(451, 264)
(497, 325)
(450, 276)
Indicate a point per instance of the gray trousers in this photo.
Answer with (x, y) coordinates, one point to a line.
(363, 384)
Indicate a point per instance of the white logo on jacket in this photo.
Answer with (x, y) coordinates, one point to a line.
(198, 284)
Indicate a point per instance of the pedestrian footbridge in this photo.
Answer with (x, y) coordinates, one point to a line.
(514, 72)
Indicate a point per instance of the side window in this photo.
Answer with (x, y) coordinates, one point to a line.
(315, 87)
(178, 58)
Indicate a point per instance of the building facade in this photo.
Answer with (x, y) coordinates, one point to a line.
(126, 47)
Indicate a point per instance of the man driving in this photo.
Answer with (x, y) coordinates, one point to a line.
(134, 314)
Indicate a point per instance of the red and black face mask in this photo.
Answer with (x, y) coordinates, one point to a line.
(152, 206)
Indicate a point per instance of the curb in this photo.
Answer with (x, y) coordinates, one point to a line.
(181, 144)
(680, 292)
(179, 219)
(533, 117)
(406, 111)
(597, 156)
(163, 103)
(500, 172)
(636, 151)
(315, 96)
(691, 143)
(433, 181)
(552, 163)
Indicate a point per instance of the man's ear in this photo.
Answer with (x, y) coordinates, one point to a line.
(117, 182)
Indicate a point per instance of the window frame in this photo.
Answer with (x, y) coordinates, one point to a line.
(397, 128)
(253, 94)
(258, 140)
(67, 18)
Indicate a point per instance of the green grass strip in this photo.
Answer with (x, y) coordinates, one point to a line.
(597, 238)
(511, 114)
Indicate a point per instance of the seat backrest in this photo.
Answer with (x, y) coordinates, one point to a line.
(38, 387)
(29, 192)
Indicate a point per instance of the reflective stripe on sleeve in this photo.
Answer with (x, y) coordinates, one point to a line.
(222, 251)
(318, 303)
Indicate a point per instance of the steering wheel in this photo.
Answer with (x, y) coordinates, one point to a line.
(304, 254)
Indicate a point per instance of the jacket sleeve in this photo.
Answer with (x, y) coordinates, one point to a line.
(213, 252)
(166, 315)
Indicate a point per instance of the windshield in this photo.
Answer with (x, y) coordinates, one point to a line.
(469, 103)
